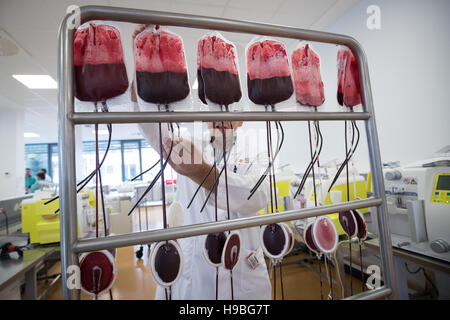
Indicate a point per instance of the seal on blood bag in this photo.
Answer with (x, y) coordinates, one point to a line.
(325, 235)
(213, 248)
(290, 237)
(98, 271)
(348, 223)
(166, 262)
(309, 238)
(362, 227)
(99, 67)
(274, 240)
(232, 248)
(268, 74)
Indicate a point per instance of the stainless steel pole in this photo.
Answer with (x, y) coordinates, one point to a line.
(377, 173)
(66, 150)
(130, 239)
(133, 117)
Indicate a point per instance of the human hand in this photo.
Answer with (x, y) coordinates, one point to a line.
(187, 159)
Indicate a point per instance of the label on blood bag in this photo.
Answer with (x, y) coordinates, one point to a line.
(252, 260)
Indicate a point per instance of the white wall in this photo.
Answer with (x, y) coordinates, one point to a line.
(12, 158)
(409, 67)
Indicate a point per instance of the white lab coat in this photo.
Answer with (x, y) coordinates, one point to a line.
(198, 278)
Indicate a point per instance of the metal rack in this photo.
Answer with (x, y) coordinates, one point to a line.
(71, 246)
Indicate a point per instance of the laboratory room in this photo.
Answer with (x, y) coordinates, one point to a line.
(203, 150)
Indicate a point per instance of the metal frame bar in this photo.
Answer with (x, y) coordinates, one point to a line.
(70, 245)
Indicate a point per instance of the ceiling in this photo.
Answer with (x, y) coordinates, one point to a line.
(33, 25)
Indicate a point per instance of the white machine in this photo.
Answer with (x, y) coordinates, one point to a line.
(418, 201)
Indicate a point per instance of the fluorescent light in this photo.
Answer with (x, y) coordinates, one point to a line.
(102, 132)
(195, 85)
(36, 81)
(30, 135)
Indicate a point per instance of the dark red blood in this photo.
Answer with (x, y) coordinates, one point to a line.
(214, 245)
(100, 72)
(97, 82)
(308, 82)
(162, 87)
(92, 280)
(348, 92)
(167, 262)
(269, 91)
(362, 227)
(348, 223)
(220, 87)
(309, 239)
(231, 251)
(274, 239)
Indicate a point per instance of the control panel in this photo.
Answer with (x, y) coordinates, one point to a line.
(441, 189)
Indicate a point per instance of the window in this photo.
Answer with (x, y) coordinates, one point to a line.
(42, 155)
(125, 160)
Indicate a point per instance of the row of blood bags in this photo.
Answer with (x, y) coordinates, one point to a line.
(161, 72)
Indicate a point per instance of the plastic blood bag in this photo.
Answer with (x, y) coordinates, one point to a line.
(348, 92)
(308, 82)
(213, 248)
(100, 72)
(325, 235)
(268, 74)
(274, 240)
(217, 71)
(326, 239)
(98, 272)
(362, 227)
(161, 73)
(166, 263)
(348, 222)
(232, 248)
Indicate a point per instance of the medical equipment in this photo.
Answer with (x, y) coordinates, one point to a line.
(10, 217)
(418, 201)
(42, 223)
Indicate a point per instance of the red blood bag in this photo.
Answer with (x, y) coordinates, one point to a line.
(348, 223)
(309, 238)
(231, 251)
(100, 71)
(161, 73)
(98, 271)
(275, 240)
(307, 78)
(348, 92)
(213, 248)
(362, 227)
(268, 75)
(217, 71)
(166, 262)
(325, 235)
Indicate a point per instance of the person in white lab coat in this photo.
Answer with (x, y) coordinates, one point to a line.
(198, 278)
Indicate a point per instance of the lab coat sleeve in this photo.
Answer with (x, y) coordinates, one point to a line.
(239, 187)
(150, 131)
